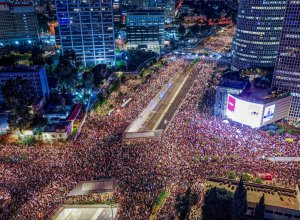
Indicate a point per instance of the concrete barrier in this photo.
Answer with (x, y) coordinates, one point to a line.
(143, 134)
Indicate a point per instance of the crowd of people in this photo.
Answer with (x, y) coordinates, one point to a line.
(195, 145)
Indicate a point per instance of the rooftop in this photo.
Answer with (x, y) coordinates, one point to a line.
(274, 196)
(75, 112)
(96, 186)
(143, 12)
(252, 93)
(55, 127)
(234, 84)
(9, 69)
(87, 212)
(262, 96)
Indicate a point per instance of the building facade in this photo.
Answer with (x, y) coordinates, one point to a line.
(18, 23)
(87, 27)
(169, 9)
(259, 25)
(145, 29)
(36, 75)
(287, 69)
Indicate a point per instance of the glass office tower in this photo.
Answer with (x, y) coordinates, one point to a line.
(86, 26)
(257, 37)
(287, 69)
(145, 29)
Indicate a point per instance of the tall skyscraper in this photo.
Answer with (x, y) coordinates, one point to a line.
(169, 9)
(145, 29)
(287, 69)
(259, 25)
(87, 28)
(18, 23)
(131, 4)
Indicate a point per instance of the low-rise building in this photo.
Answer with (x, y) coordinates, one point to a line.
(280, 203)
(4, 127)
(35, 74)
(57, 132)
(244, 103)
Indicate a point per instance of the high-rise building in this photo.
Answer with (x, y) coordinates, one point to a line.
(117, 11)
(259, 25)
(131, 4)
(18, 23)
(87, 28)
(145, 29)
(169, 9)
(287, 69)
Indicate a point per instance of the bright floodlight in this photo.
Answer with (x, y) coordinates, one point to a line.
(29, 41)
(17, 42)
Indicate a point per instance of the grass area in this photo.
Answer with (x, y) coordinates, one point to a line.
(27, 141)
(161, 198)
(287, 128)
(74, 131)
(158, 203)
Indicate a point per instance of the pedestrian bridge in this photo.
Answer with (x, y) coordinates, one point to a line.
(284, 159)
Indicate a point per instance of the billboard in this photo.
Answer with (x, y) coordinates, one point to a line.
(269, 113)
(244, 112)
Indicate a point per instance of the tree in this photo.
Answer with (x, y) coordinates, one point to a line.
(38, 122)
(71, 57)
(100, 72)
(181, 30)
(217, 204)
(195, 29)
(10, 60)
(239, 204)
(49, 67)
(19, 95)
(184, 203)
(37, 56)
(260, 209)
(66, 72)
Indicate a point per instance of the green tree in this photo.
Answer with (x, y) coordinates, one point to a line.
(184, 203)
(260, 209)
(66, 72)
(217, 204)
(231, 175)
(239, 204)
(71, 58)
(19, 95)
(100, 72)
(38, 122)
(10, 60)
(37, 56)
(181, 30)
(195, 29)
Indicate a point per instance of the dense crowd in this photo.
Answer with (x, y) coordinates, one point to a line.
(195, 145)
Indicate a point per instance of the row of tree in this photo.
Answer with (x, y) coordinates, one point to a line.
(219, 204)
(223, 204)
(10, 55)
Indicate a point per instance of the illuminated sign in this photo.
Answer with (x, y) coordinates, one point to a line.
(244, 112)
(269, 113)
